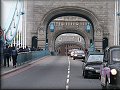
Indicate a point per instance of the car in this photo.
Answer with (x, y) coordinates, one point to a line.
(110, 68)
(78, 54)
(69, 52)
(91, 66)
(72, 52)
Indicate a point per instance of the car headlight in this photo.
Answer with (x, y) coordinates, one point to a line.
(89, 68)
(113, 71)
(83, 55)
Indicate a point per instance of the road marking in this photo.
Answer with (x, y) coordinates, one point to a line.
(68, 72)
(67, 87)
(68, 75)
(67, 80)
(69, 61)
(68, 69)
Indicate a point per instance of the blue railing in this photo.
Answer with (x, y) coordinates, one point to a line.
(30, 56)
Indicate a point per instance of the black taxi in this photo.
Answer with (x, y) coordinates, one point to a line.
(110, 68)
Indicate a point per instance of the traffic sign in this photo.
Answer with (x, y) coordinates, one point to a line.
(1, 32)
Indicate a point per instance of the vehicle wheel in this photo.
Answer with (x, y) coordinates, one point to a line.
(73, 58)
(85, 75)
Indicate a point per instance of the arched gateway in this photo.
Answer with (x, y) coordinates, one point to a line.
(73, 11)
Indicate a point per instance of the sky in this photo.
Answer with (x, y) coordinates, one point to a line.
(11, 18)
(7, 8)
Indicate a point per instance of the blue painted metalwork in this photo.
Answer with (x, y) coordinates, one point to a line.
(118, 13)
(88, 27)
(30, 56)
(92, 47)
(46, 46)
(52, 27)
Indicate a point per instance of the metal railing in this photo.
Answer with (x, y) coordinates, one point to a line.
(25, 57)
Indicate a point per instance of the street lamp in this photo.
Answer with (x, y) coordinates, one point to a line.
(1, 44)
(52, 28)
(119, 26)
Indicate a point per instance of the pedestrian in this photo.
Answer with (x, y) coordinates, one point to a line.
(14, 56)
(6, 55)
(86, 51)
(26, 49)
(10, 50)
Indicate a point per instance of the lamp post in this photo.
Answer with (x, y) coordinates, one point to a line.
(52, 28)
(88, 30)
(119, 26)
(1, 45)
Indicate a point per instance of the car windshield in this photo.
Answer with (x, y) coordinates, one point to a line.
(95, 58)
(115, 55)
(80, 52)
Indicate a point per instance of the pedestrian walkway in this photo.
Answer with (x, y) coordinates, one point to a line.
(6, 70)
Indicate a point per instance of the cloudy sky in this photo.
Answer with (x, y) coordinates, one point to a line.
(7, 9)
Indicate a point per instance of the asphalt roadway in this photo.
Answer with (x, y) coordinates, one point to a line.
(52, 72)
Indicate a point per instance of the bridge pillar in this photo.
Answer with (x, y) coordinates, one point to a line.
(98, 37)
(41, 36)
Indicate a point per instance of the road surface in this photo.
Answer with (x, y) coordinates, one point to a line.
(53, 72)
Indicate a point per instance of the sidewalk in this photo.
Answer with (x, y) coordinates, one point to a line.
(6, 70)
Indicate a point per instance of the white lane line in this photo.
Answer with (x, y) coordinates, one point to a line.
(67, 87)
(68, 69)
(67, 81)
(68, 72)
(69, 61)
(68, 76)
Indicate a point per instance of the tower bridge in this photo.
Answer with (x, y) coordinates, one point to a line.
(38, 14)
(101, 15)
(50, 26)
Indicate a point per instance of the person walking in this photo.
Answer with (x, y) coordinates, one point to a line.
(14, 56)
(86, 51)
(6, 55)
(10, 50)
